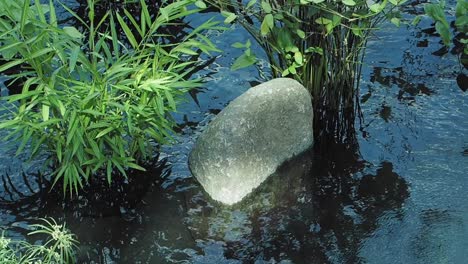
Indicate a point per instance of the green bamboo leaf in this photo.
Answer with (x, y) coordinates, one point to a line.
(349, 2)
(73, 121)
(23, 95)
(104, 132)
(170, 100)
(74, 57)
(230, 17)
(10, 64)
(135, 166)
(73, 32)
(36, 144)
(416, 20)
(52, 14)
(238, 45)
(146, 14)
(77, 17)
(160, 105)
(67, 181)
(40, 53)
(251, 3)
(444, 32)
(58, 150)
(77, 139)
(186, 51)
(92, 112)
(12, 46)
(243, 61)
(98, 125)
(24, 15)
(9, 124)
(28, 133)
(395, 21)
(40, 12)
(134, 23)
(128, 32)
(119, 166)
(45, 112)
(109, 171)
(115, 40)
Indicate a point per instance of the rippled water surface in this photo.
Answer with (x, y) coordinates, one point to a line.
(400, 197)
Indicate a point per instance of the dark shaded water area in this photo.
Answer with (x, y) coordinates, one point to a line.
(399, 197)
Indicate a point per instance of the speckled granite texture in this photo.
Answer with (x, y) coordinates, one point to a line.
(247, 141)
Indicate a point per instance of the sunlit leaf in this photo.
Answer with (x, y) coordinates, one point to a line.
(349, 2)
(300, 33)
(200, 4)
(127, 31)
(243, 61)
(323, 21)
(444, 32)
(395, 21)
(73, 32)
(230, 17)
(298, 58)
(292, 69)
(238, 45)
(265, 28)
(266, 7)
(416, 20)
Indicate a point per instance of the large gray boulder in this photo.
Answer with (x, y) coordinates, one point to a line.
(247, 141)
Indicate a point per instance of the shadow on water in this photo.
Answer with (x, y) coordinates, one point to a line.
(314, 209)
(317, 208)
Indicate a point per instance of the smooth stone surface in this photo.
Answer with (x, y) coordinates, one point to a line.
(249, 139)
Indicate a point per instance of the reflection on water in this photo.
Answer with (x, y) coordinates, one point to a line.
(397, 197)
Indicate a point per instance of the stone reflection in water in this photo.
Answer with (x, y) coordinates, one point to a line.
(315, 209)
(318, 208)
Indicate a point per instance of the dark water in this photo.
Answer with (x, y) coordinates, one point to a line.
(398, 198)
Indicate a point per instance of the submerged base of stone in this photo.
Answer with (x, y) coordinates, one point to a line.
(251, 138)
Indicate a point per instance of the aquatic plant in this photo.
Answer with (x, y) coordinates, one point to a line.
(95, 101)
(320, 43)
(7, 254)
(59, 247)
(436, 11)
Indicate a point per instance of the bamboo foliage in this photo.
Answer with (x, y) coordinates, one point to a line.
(93, 102)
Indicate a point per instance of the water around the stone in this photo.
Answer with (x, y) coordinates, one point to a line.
(398, 197)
